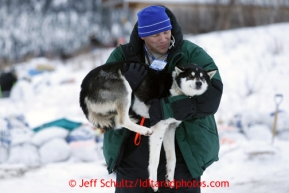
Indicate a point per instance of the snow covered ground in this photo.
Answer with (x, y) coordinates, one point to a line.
(253, 66)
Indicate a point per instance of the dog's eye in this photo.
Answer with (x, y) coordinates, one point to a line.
(191, 76)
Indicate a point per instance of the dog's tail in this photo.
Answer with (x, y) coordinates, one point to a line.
(102, 121)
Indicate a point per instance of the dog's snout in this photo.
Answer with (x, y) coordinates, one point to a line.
(198, 84)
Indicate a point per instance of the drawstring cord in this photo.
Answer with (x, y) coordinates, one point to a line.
(137, 137)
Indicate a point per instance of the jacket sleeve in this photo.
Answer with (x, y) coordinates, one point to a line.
(208, 103)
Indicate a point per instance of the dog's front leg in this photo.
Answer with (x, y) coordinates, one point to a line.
(155, 145)
(169, 146)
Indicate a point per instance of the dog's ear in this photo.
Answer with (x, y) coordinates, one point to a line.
(211, 73)
(179, 69)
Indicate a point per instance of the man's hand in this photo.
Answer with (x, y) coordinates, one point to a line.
(181, 109)
(134, 74)
(184, 109)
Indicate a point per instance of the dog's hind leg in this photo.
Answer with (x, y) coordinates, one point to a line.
(155, 144)
(169, 146)
(123, 119)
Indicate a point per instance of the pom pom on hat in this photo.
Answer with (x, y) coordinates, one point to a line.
(153, 20)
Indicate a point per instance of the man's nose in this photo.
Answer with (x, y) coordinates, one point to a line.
(163, 37)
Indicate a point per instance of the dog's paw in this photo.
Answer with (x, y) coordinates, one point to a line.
(155, 189)
(154, 184)
(147, 132)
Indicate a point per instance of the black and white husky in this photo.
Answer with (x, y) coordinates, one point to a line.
(105, 99)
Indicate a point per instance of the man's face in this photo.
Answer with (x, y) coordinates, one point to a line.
(158, 43)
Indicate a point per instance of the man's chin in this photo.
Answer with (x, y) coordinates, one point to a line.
(163, 50)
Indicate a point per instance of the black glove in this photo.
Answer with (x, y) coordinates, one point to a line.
(184, 108)
(155, 111)
(181, 109)
(134, 74)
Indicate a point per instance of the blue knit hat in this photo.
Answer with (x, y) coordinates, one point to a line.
(153, 20)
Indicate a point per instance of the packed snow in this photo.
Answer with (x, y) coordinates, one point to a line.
(253, 65)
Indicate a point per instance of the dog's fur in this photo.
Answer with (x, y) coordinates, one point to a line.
(105, 99)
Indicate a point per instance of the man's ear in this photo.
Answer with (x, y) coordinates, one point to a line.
(211, 73)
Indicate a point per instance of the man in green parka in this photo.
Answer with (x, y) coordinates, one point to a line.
(157, 37)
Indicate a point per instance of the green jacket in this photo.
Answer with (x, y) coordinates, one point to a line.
(197, 137)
